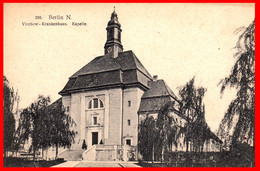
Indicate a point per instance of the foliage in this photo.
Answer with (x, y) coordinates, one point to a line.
(196, 130)
(60, 124)
(34, 124)
(10, 98)
(23, 162)
(157, 135)
(147, 137)
(242, 77)
(167, 129)
(24, 128)
(207, 159)
(46, 126)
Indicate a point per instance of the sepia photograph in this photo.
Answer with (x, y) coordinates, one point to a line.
(129, 85)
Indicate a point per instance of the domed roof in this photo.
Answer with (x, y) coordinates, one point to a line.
(114, 19)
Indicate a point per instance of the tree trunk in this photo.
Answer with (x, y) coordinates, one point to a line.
(34, 152)
(187, 132)
(162, 157)
(46, 154)
(57, 150)
(42, 153)
(153, 154)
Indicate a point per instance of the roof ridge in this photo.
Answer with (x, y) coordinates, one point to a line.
(157, 96)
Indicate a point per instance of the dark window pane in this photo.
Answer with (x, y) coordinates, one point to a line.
(95, 103)
(101, 104)
(94, 120)
(129, 122)
(90, 104)
(128, 142)
(129, 103)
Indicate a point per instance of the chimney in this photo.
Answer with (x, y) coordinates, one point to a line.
(155, 77)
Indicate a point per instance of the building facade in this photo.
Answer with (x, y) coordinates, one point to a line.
(110, 96)
(104, 96)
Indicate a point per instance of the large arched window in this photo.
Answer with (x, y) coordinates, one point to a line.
(95, 104)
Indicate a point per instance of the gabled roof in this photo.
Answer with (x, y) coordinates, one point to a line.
(56, 106)
(157, 96)
(153, 104)
(157, 89)
(170, 91)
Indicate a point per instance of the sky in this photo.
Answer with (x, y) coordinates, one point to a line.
(174, 41)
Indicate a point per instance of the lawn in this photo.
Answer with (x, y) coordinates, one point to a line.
(21, 162)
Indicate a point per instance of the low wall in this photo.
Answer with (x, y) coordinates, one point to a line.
(110, 153)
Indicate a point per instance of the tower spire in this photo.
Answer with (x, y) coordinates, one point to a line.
(113, 44)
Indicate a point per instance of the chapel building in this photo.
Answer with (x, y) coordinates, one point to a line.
(108, 97)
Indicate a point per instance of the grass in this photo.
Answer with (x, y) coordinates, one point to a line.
(183, 164)
(21, 162)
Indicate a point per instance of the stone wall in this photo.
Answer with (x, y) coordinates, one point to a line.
(110, 153)
(75, 114)
(132, 99)
(110, 116)
(115, 117)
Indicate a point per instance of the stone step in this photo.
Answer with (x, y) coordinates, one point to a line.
(71, 155)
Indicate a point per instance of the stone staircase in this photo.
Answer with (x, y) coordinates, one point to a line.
(72, 154)
(100, 153)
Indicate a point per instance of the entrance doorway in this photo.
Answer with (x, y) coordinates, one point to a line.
(94, 138)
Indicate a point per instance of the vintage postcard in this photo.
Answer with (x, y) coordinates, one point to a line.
(129, 85)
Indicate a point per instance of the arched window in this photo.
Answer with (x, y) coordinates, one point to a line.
(95, 104)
